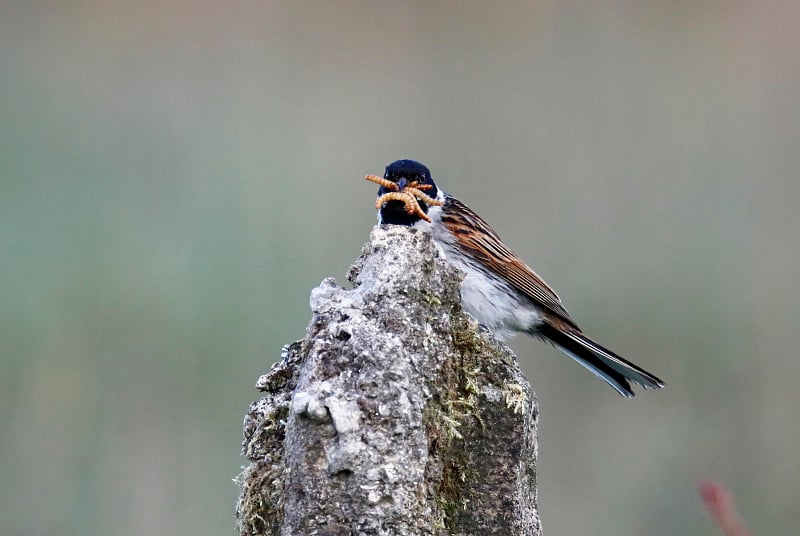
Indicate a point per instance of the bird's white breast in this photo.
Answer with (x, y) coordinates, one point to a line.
(484, 295)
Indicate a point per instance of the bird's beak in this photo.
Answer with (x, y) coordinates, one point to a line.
(401, 183)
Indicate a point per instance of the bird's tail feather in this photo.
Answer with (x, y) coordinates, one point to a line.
(602, 362)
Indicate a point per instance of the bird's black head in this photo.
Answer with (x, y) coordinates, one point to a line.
(403, 172)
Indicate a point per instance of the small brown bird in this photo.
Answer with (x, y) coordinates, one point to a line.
(499, 290)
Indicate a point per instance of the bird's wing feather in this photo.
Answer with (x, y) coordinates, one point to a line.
(476, 237)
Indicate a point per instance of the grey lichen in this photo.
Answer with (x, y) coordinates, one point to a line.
(396, 414)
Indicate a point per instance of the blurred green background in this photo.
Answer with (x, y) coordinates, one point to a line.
(176, 177)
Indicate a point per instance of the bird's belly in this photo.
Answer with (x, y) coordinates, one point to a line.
(490, 299)
(485, 296)
(495, 304)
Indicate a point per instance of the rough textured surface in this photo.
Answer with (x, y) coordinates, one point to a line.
(395, 415)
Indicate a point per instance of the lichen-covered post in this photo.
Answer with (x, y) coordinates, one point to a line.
(395, 415)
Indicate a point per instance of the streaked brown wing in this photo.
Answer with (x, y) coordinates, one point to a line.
(476, 238)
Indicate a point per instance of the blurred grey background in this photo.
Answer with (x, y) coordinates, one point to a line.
(176, 177)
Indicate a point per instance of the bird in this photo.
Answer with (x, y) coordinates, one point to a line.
(498, 289)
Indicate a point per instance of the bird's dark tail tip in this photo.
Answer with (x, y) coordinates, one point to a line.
(602, 362)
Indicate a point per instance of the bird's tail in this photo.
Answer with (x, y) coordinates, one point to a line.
(602, 362)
